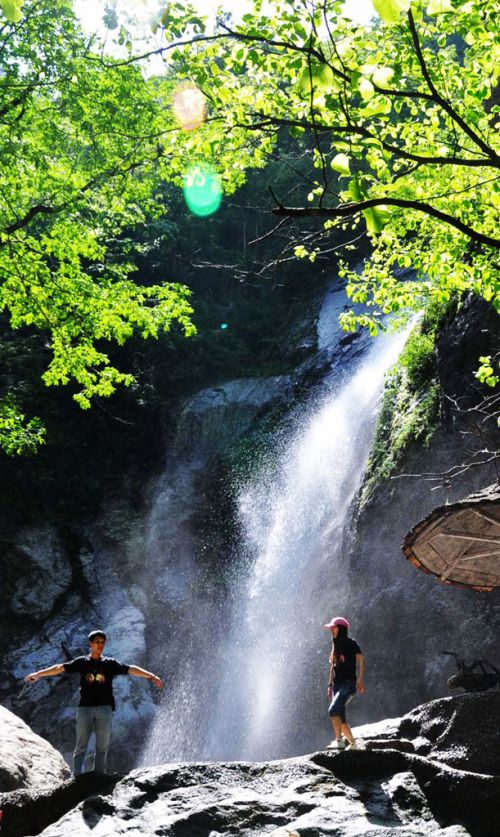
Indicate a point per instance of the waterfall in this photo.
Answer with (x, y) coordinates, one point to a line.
(256, 688)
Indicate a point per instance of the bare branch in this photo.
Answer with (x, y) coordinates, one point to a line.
(456, 470)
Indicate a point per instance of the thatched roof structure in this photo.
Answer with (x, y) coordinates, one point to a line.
(460, 543)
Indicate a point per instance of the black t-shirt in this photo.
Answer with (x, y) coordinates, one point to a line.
(345, 667)
(96, 679)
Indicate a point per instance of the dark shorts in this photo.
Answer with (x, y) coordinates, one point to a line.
(343, 692)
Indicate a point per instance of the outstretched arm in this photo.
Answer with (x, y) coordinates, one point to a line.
(360, 685)
(44, 672)
(141, 672)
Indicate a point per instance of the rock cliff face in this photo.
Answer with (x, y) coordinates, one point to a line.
(64, 590)
(139, 575)
(432, 772)
(134, 573)
(404, 618)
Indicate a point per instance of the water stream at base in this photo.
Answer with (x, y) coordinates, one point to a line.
(257, 690)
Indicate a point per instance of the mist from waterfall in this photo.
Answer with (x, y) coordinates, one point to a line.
(253, 686)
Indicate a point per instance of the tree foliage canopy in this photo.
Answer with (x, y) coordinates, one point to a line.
(80, 161)
(395, 121)
(398, 119)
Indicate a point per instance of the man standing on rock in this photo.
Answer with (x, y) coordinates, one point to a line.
(343, 683)
(97, 702)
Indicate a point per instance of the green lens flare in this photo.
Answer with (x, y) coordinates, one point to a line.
(202, 190)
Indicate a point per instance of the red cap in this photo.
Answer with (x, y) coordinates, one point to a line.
(337, 620)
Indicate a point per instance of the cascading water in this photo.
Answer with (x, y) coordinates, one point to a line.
(293, 516)
(255, 688)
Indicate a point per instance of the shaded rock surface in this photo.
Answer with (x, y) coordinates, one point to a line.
(389, 785)
(26, 759)
(141, 577)
(98, 599)
(405, 619)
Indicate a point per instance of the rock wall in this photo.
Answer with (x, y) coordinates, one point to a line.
(59, 590)
(403, 618)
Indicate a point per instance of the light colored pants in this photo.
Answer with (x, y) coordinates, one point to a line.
(88, 719)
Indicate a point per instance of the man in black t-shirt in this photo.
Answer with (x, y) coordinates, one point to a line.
(97, 702)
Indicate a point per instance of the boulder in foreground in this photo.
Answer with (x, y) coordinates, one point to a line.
(27, 760)
(432, 773)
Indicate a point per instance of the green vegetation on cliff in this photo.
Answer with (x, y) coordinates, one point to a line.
(411, 401)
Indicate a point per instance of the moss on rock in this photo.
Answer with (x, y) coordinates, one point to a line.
(411, 401)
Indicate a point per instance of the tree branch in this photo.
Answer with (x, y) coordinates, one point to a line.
(349, 209)
(440, 100)
(364, 132)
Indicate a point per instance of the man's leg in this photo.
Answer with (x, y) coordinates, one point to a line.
(103, 719)
(83, 731)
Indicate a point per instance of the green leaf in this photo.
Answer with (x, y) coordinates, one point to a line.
(366, 89)
(390, 10)
(376, 218)
(382, 76)
(341, 164)
(317, 77)
(439, 7)
(12, 9)
(354, 189)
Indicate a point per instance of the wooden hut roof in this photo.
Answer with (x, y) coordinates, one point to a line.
(460, 543)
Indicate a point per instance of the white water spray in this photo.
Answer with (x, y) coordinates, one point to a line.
(293, 517)
(264, 687)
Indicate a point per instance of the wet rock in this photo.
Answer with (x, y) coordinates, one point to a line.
(26, 760)
(344, 794)
(462, 731)
(28, 813)
(37, 572)
(214, 418)
(350, 793)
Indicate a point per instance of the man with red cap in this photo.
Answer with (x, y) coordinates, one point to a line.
(343, 681)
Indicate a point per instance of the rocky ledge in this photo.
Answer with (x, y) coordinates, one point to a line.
(436, 771)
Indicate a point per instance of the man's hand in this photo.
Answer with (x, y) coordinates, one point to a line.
(32, 678)
(157, 682)
(329, 691)
(360, 686)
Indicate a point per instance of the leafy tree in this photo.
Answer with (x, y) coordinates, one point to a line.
(397, 118)
(79, 163)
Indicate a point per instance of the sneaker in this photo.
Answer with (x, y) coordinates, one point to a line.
(336, 744)
(357, 745)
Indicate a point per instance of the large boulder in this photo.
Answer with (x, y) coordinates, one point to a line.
(26, 760)
(411, 784)
(462, 731)
(327, 795)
